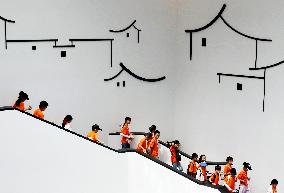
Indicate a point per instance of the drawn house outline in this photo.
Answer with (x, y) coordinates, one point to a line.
(256, 39)
(132, 25)
(129, 72)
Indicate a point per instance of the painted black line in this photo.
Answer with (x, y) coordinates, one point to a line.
(264, 90)
(114, 77)
(111, 50)
(38, 40)
(210, 23)
(7, 20)
(240, 76)
(134, 75)
(256, 53)
(5, 26)
(242, 34)
(138, 36)
(267, 67)
(122, 30)
(64, 46)
(137, 28)
(90, 40)
(191, 45)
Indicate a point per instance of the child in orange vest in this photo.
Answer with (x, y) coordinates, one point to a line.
(273, 186)
(215, 177)
(42, 107)
(243, 178)
(94, 134)
(144, 143)
(175, 155)
(202, 172)
(153, 148)
(228, 166)
(20, 103)
(125, 133)
(192, 167)
(230, 180)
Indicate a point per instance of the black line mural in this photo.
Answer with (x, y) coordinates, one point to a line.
(72, 45)
(127, 28)
(125, 69)
(63, 53)
(257, 41)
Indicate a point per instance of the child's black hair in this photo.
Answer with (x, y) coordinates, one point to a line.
(194, 155)
(152, 128)
(125, 120)
(22, 97)
(200, 158)
(274, 182)
(229, 159)
(218, 168)
(43, 104)
(148, 135)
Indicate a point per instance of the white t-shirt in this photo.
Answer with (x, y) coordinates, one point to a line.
(68, 126)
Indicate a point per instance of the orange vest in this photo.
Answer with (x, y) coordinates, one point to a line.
(230, 181)
(144, 143)
(154, 147)
(20, 107)
(125, 131)
(38, 113)
(192, 168)
(243, 177)
(227, 169)
(215, 178)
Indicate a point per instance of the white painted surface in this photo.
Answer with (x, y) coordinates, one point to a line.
(37, 157)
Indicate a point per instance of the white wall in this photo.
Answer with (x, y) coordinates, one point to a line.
(37, 157)
(216, 119)
(74, 85)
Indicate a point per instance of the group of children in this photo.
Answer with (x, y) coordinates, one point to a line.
(197, 167)
(149, 144)
(39, 112)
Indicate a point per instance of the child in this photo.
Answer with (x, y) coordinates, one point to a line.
(192, 167)
(215, 177)
(202, 172)
(153, 148)
(273, 186)
(175, 156)
(42, 107)
(144, 143)
(94, 134)
(20, 103)
(228, 166)
(66, 122)
(126, 135)
(243, 177)
(230, 180)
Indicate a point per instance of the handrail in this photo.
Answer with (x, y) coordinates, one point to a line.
(181, 152)
(220, 188)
